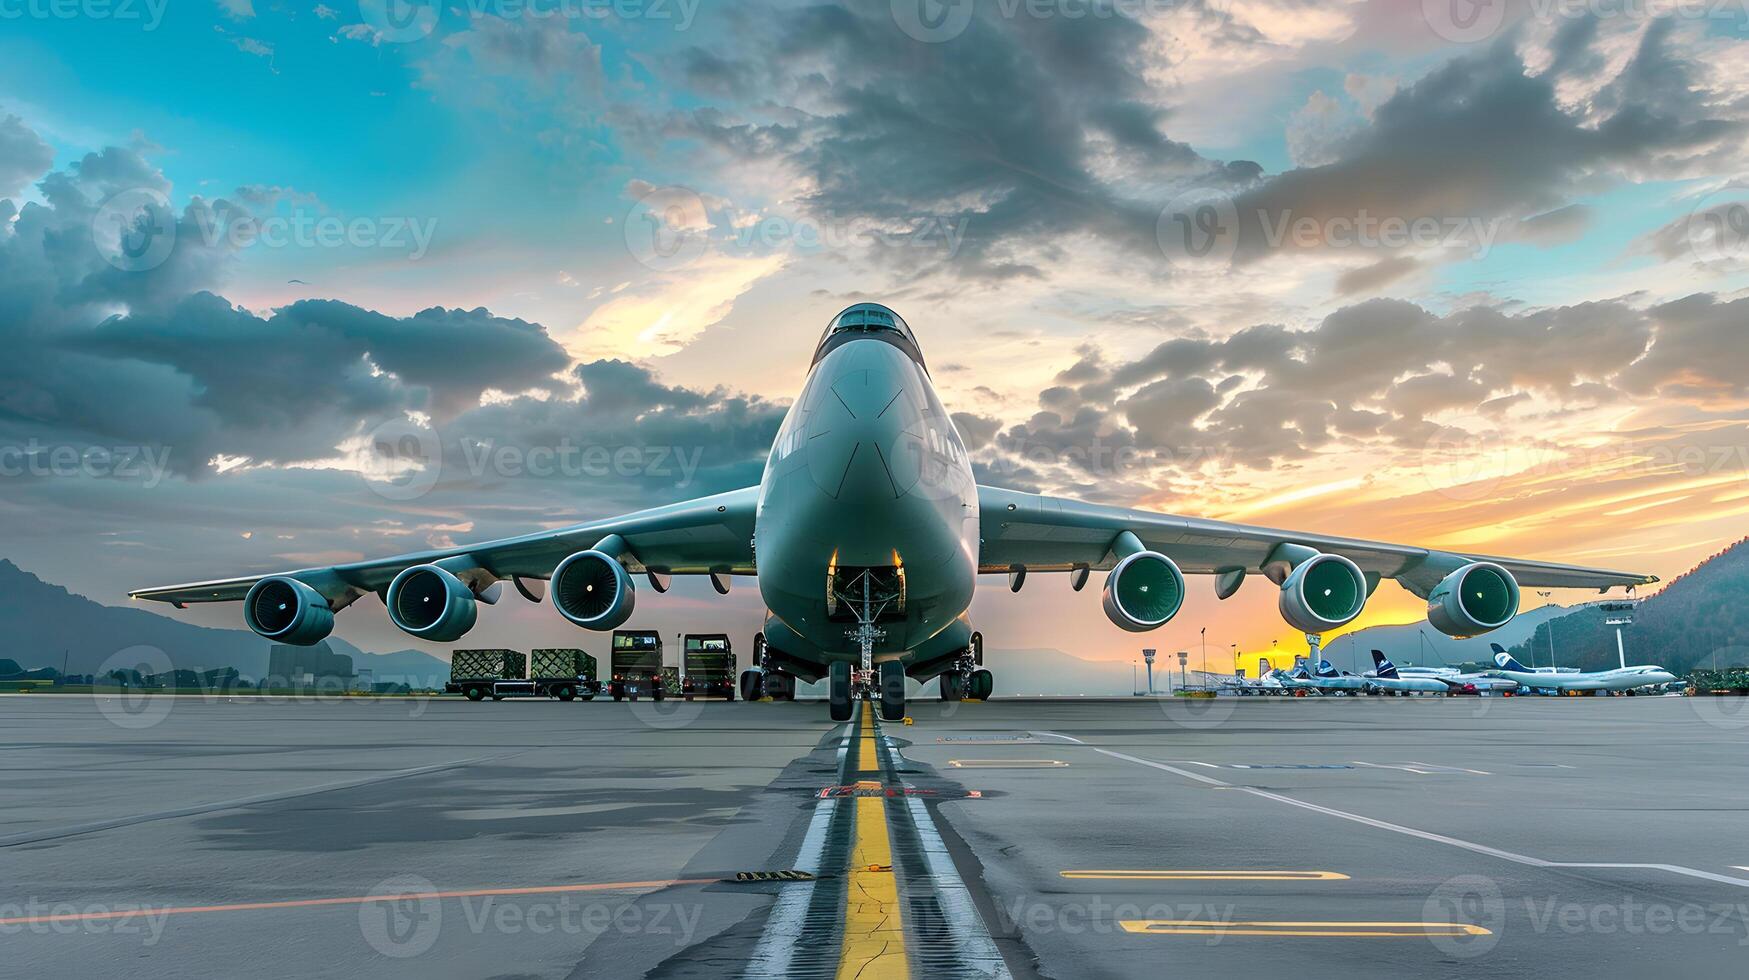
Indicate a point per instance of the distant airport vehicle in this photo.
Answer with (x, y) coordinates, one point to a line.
(1385, 679)
(707, 663)
(871, 532)
(1628, 679)
(635, 666)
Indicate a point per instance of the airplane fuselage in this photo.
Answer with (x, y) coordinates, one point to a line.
(867, 474)
(1620, 679)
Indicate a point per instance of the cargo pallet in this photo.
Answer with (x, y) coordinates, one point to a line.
(568, 675)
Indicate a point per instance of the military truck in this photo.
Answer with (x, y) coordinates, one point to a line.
(635, 665)
(708, 664)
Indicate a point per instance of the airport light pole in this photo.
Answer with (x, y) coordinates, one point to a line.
(1205, 655)
(1545, 596)
(1148, 656)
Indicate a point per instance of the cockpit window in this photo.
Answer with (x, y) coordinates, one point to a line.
(869, 319)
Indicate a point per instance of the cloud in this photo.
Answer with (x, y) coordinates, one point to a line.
(101, 353)
(23, 156)
(1383, 372)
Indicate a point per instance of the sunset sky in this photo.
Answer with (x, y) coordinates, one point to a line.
(1481, 286)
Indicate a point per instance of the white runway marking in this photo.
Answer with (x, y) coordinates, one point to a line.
(771, 958)
(1426, 835)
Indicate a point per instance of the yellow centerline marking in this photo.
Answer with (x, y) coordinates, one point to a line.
(1208, 875)
(874, 930)
(1319, 930)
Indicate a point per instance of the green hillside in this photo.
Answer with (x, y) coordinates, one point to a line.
(1699, 618)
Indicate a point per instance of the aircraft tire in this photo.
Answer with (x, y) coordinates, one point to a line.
(983, 684)
(839, 695)
(752, 685)
(892, 691)
(953, 686)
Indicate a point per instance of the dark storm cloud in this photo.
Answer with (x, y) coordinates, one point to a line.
(104, 355)
(1481, 138)
(1007, 125)
(1382, 368)
(1036, 130)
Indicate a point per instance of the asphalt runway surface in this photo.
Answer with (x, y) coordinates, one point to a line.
(1364, 837)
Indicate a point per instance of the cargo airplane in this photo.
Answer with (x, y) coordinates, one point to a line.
(866, 535)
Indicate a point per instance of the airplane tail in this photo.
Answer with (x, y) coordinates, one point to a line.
(1326, 669)
(1504, 660)
(1384, 668)
(1263, 666)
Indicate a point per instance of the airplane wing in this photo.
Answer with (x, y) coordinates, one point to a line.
(710, 534)
(1040, 533)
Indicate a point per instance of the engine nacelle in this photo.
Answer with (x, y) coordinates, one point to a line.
(1144, 591)
(1322, 593)
(1478, 597)
(430, 603)
(288, 611)
(593, 590)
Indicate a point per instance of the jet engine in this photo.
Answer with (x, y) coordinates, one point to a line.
(1322, 593)
(430, 603)
(1476, 598)
(288, 611)
(593, 590)
(1144, 591)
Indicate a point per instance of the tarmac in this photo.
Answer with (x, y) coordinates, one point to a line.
(1248, 837)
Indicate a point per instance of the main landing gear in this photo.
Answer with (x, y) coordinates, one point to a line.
(968, 678)
(764, 680)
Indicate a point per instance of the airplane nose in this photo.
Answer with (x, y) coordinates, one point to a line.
(864, 436)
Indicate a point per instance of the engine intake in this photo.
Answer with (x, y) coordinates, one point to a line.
(1478, 597)
(430, 603)
(593, 590)
(1322, 593)
(1144, 591)
(288, 611)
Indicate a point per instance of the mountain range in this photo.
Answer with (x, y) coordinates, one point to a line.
(44, 625)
